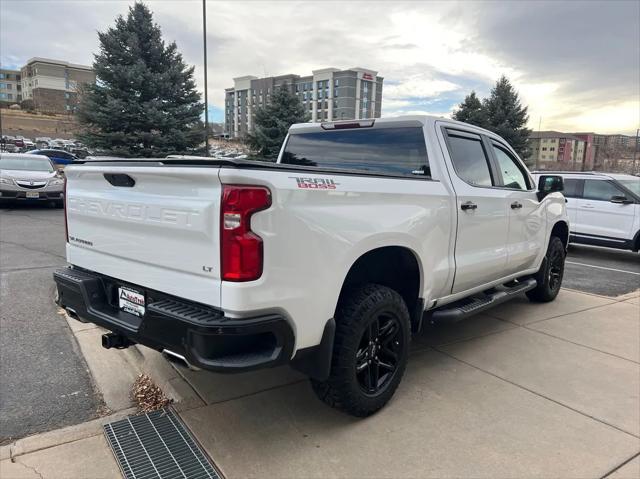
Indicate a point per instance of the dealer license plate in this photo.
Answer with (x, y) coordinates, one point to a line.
(131, 301)
(33, 194)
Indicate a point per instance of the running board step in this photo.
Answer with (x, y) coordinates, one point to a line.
(475, 304)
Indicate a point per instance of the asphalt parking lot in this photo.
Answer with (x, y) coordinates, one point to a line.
(523, 390)
(603, 271)
(44, 378)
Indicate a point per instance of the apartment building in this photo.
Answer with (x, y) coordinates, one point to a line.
(10, 86)
(616, 141)
(53, 85)
(557, 147)
(328, 94)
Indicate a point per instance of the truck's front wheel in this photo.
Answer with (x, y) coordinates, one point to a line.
(370, 351)
(550, 275)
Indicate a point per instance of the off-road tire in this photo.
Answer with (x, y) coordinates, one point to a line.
(550, 274)
(358, 309)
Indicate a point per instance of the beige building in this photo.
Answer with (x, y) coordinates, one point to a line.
(10, 86)
(556, 147)
(53, 85)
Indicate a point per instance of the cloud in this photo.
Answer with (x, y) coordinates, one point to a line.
(419, 112)
(567, 59)
(418, 87)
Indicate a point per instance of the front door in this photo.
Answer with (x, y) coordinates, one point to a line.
(598, 217)
(481, 249)
(527, 223)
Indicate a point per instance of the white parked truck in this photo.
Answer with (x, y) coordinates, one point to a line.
(328, 259)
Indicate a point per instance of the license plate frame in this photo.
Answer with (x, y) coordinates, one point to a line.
(132, 301)
(32, 195)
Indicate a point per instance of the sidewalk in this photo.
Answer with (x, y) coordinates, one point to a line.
(526, 390)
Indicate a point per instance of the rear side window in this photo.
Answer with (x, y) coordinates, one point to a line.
(572, 188)
(469, 159)
(397, 151)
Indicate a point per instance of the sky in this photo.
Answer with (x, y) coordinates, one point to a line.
(575, 64)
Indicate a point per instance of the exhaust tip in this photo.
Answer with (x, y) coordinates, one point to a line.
(179, 359)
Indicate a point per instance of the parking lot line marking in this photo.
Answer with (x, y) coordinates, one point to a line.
(603, 267)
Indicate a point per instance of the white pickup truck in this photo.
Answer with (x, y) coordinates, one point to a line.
(328, 259)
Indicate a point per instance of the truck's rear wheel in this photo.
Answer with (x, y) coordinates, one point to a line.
(370, 351)
(550, 275)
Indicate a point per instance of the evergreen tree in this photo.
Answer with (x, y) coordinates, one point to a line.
(272, 121)
(144, 101)
(507, 117)
(472, 111)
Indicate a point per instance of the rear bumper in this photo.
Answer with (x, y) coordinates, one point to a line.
(201, 334)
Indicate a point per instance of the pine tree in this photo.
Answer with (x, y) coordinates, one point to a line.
(144, 101)
(272, 121)
(507, 117)
(472, 111)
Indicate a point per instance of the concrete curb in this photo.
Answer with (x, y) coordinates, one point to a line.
(57, 437)
(626, 297)
(114, 371)
(623, 297)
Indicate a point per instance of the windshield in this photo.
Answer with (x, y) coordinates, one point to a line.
(633, 185)
(26, 164)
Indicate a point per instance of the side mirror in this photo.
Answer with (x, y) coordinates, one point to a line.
(620, 199)
(549, 184)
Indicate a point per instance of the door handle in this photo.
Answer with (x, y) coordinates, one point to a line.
(588, 207)
(516, 205)
(469, 205)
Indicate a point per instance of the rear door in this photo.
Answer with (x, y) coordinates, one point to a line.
(527, 224)
(152, 226)
(481, 242)
(598, 217)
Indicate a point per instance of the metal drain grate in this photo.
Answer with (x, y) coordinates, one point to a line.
(157, 446)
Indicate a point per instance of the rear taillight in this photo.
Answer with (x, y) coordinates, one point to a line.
(66, 225)
(240, 248)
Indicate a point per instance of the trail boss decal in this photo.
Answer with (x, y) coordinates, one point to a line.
(315, 183)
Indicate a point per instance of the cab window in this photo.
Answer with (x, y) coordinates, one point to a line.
(512, 175)
(469, 158)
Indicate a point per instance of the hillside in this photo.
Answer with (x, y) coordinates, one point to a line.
(32, 125)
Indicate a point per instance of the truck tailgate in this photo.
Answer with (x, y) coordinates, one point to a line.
(153, 226)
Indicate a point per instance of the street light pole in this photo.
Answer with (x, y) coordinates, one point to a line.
(206, 95)
(539, 145)
(635, 153)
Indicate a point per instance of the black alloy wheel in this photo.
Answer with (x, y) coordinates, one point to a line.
(549, 276)
(370, 351)
(378, 353)
(556, 269)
